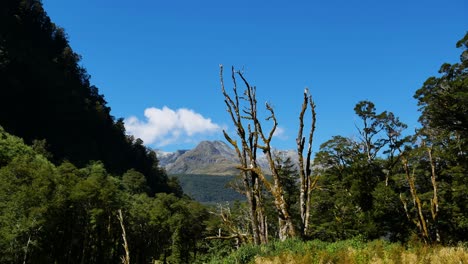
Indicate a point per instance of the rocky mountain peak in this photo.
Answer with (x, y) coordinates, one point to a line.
(214, 148)
(209, 157)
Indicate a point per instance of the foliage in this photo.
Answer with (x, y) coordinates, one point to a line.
(47, 95)
(386, 184)
(10, 147)
(65, 214)
(356, 193)
(443, 104)
(134, 182)
(443, 100)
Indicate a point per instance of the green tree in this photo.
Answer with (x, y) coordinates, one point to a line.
(134, 182)
(27, 181)
(443, 100)
(442, 148)
(336, 213)
(356, 194)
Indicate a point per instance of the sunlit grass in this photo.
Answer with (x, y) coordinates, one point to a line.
(353, 251)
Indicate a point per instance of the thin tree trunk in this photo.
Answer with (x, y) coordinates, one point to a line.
(261, 218)
(247, 156)
(26, 249)
(434, 200)
(312, 185)
(286, 226)
(126, 259)
(306, 182)
(421, 223)
(234, 231)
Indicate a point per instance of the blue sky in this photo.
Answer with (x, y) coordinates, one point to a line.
(157, 62)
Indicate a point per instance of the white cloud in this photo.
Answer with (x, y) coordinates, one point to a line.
(280, 133)
(166, 126)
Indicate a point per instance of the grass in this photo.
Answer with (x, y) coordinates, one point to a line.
(354, 251)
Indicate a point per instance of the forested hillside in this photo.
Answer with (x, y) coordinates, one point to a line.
(47, 96)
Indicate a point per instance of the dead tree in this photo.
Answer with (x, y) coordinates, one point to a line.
(246, 152)
(233, 226)
(307, 182)
(126, 259)
(252, 137)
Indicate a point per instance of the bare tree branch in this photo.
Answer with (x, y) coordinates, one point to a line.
(253, 175)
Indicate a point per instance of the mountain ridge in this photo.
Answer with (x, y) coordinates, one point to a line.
(209, 158)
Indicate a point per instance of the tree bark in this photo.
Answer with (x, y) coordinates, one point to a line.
(26, 249)
(247, 154)
(232, 227)
(421, 221)
(307, 184)
(126, 259)
(434, 200)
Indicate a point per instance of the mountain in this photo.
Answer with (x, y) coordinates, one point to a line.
(166, 158)
(209, 158)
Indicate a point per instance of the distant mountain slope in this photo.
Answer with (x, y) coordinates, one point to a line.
(210, 189)
(208, 158)
(166, 158)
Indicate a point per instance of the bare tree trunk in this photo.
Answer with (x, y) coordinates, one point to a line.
(254, 207)
(236, 232)
(421, 221)
(247, 154)
(126, 259)
(26, 249)
(307, 184)
(286, 226)
(29, 242)
(261, 217)
(434, 200)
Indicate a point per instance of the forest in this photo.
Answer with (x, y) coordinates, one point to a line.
(76, 188)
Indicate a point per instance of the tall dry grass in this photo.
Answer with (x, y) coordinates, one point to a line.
(354, 251)
(432, 255)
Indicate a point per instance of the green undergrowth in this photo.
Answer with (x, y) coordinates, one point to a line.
(346, 251)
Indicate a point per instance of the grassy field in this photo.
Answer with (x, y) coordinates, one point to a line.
(349, 251)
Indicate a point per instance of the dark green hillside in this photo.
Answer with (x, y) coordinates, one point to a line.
(47, 94)
(209, 188)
